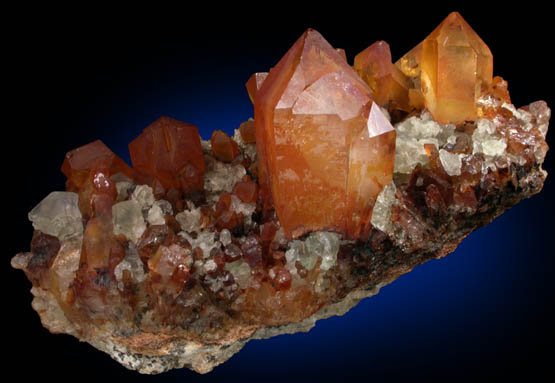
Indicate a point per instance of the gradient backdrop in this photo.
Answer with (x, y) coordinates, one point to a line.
(485, 310)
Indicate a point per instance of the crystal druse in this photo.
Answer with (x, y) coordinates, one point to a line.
(347, 177)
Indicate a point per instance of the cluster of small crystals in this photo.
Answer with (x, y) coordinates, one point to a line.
(264, 227)
(155, 243)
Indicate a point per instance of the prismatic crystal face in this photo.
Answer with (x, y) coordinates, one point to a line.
(314, 119)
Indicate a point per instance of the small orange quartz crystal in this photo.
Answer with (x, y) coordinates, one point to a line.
(452, 67)
(88, 170)
(387, 82)
(223, 147)
(170, 151)
(325, 150)
(247, 132)
(254, 83)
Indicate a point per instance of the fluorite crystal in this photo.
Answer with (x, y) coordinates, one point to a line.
(345, 179)
(325, 149)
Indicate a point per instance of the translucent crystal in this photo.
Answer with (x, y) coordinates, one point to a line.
(241, 272)
(144, 196)
(133, 264)
(155, 216)
(451, 162)
(451, 67)
(58, 215)
(326, 246)
(128, 219)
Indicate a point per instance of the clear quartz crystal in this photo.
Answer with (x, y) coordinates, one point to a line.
(128, 219)
(58, 214)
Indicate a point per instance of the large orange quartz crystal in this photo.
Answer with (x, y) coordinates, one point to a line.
(387, 82)
(325, 150)
(170, 150)
(453, 66)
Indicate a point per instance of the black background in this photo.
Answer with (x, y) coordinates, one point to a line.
(75, 75)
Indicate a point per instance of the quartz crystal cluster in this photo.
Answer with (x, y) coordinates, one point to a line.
(347, 177)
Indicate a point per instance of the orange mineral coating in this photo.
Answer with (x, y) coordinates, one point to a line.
(254, 83)
(223, 147)
(308, 111)
(170, 150)
(452, 66)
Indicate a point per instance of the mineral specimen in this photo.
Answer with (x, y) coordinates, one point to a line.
(345, 179)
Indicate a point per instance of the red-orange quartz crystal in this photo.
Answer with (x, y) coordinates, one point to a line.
(223, 147)
(325, 149)
(170, 150)
(88, 170)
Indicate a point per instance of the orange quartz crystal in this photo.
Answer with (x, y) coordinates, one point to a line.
(88, 170)
(79, 162)
(387, 82)
(254, 83)
(170, 151)
(325, 150)
(223, 147)
(247, 131)
(452, 67)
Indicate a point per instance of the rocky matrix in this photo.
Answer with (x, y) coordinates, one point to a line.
(346, 178)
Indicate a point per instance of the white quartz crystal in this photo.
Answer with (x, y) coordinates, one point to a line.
(381, 214)
(155, 216)
(412, 135)
(128, 219)
(133, 264)
(58, 214)
(221, 177)
(225, 237)
(189, 220)
(246, 209)
(241, 272)
(493, 147)
(485, 139)
(205, 240)
(324, 245)
(144, 196)
(451, 162)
